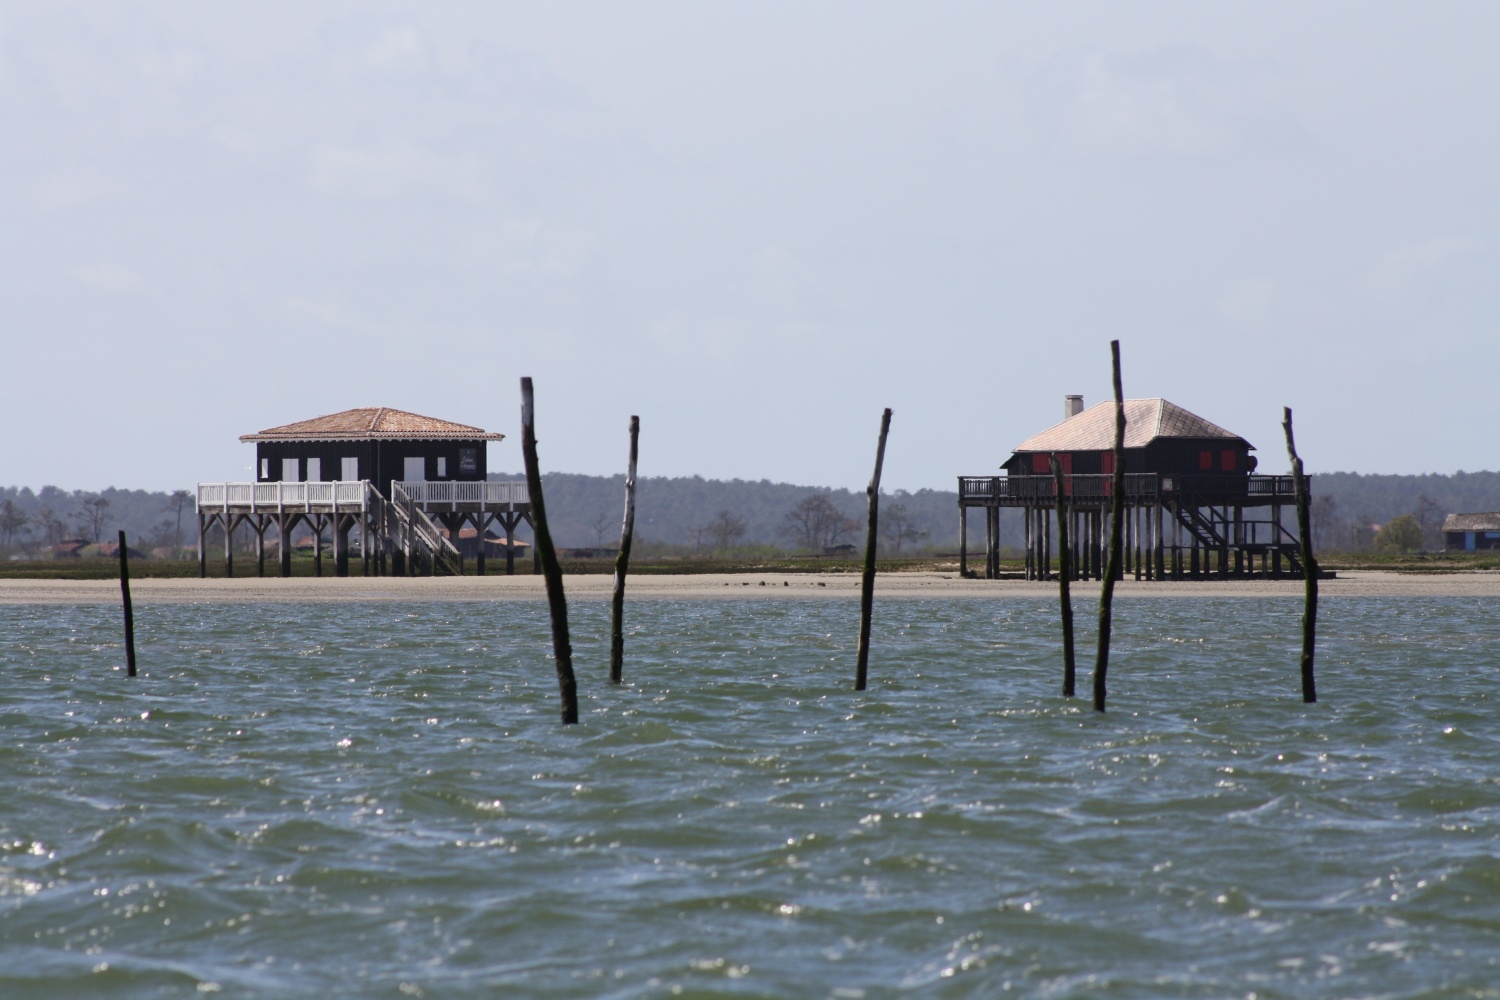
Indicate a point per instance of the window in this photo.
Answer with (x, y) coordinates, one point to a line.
(415, 469)
(291, 470)
(265, 468)
(468, 461)
(1205, 460)
(442, 466)
(1226, 460)
(350, 469)
(314, 470)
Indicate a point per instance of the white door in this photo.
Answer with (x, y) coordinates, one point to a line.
(416, 470)
(290, 470)
(315, 470)
(351, 469)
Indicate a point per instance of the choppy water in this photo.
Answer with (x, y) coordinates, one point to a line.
(378, 800)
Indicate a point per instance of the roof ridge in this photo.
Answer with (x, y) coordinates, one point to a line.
(375, 420)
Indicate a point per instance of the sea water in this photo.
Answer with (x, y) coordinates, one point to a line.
(378, 800)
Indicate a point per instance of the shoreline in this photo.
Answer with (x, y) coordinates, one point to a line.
(717, 586)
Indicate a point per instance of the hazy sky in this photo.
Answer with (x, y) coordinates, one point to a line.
(753, 224)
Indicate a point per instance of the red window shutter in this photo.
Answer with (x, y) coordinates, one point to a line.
(1226, 460)
(1205, 460)
(1107, 463)
(1039, 464)
(1066, 461)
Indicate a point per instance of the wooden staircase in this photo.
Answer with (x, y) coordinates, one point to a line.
(418, 538)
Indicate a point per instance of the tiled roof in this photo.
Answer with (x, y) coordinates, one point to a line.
(1472, 522)
(1145, 421)
(366, 422)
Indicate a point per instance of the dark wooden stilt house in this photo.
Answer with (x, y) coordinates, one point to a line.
(1191, 497)
(391, 474)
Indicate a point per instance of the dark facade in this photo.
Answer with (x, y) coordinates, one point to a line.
(381, 462)
(1168, 457)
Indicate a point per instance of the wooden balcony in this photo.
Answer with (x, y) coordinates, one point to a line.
(340, 497)
(452, 496)
(1140, 488)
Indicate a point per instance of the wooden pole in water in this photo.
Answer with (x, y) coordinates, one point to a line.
(129, 612)
(622, 563)
(562, 648)
(1309, 564)
(1064, 573)
(1116, 506)
(867, 586)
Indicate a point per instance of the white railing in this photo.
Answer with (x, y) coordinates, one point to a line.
(343, 495)
(453, 493)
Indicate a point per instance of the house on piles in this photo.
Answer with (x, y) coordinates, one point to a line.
(396, 478)
(1190, 504)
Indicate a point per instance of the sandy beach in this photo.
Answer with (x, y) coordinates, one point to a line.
(738, 586)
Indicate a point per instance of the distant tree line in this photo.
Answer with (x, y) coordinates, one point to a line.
(1351, 512)
(37, 524)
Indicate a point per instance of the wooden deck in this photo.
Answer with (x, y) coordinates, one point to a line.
(1140, 488)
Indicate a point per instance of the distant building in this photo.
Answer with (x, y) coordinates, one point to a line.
(1471, 532)
(408, 484)
(1190, 504)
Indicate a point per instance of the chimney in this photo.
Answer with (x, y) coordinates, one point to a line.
(1072, 406)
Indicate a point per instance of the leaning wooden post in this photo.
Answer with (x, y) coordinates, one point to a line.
(1309, 563)
(867, 587)
(1064, 572)
(1116, 510)
(622, 563)
(562, 648)
(129, 612)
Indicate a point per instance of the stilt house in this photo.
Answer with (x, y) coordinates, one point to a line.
(1191, 496)
(393, 475)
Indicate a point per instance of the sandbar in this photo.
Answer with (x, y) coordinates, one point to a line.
(722, 586)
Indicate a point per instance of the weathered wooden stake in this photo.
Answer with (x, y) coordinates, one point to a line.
(867, 586)
(1116, 509)
(129, 612)
(1309, 564)
(562, 648)
(1064, 573)
(622, 563)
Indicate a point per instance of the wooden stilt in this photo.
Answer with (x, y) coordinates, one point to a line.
(129, 611)
(284, 544)
(1064, 571)
(872, 536)
(1028, 545)
(228, 544)
(202, 547)
(963, 541)
(1046, 544)
(1309, 564)
(258, 524)
(481, 525)
(1112, 566)
(562, 646)
(341, 526)
(989, 568)
(509, 522)
(622, 562)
